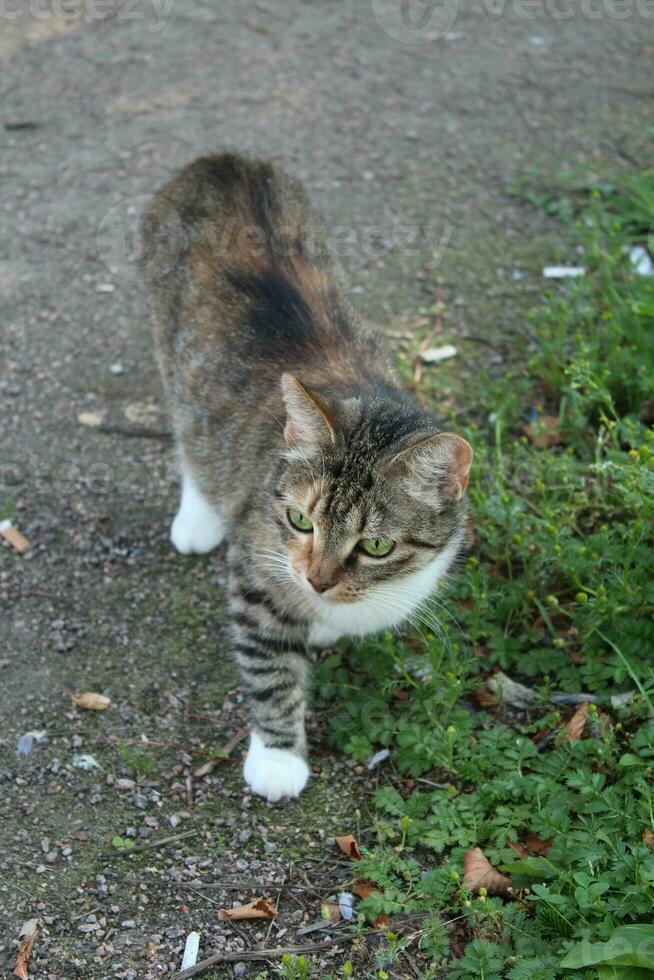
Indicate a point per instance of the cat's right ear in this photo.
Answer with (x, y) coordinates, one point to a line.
(309, 418)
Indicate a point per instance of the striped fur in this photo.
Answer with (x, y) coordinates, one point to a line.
(282, 401)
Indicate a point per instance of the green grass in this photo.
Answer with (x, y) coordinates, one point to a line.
(558, 594)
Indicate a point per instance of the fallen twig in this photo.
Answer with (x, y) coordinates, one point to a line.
(221, 755)
(39, 594)
(251, 955)
(134, 432)
(152, 843)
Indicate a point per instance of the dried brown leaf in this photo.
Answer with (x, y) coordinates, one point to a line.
(575, 727)
(349, 846)
(484, 698)
(545, 432)
(540, 736)
(537, 845)
(90, 701)
(478, 873)
(382, 921)
(363, 887)
(532, 844)
(258, 908)
(28, 935)
(648, 838)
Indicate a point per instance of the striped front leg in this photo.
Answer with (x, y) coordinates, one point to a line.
(274, 669)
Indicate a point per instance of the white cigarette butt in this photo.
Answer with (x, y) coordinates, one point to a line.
(191, 950)
(435, 354)
(11, 534)
(563, 271)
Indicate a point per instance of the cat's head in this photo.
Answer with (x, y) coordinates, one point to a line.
(368, 492)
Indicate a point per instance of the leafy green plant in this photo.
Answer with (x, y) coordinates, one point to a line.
(295, 967)
(138, 759)
(559, 594)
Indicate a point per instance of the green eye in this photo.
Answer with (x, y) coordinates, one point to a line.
(299, 521)
(377, 547)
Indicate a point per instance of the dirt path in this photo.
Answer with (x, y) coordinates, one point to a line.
(410, 150)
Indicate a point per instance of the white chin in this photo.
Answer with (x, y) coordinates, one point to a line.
(387, 606)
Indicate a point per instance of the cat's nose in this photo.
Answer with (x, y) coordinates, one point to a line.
(319, 584)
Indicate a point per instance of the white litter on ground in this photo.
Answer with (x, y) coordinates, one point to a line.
(509, 691)
(378, 757)
(435, 354)
(563, 271)
(25, 743)
(622, 700)
(191, 950)
(86, 762)
(641, 261)
(346, 906)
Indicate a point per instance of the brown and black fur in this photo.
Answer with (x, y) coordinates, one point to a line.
(243, 289)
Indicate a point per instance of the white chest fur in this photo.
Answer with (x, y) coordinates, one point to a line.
(391, 603)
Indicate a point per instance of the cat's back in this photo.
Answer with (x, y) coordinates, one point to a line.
(239, 274)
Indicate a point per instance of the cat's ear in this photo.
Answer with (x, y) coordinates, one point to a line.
(438, 465)
(309, 418)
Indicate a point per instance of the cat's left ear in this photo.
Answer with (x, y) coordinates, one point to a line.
(439, 464)
(309, 418)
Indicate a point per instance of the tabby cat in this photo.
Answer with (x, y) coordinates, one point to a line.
(342, 503)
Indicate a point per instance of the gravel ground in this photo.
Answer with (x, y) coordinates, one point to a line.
(410, 151)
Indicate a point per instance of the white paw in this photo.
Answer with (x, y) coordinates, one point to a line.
(274, 773)
(198, 527)
(197, 533)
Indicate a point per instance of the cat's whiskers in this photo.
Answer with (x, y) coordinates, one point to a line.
(397, 600)
(383, 602)
(382, 606)
(399, 590)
